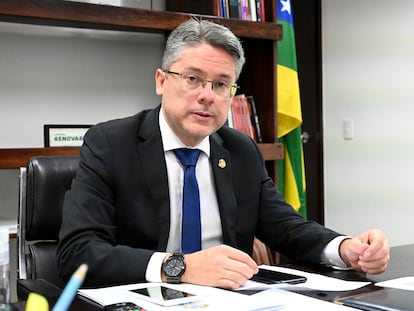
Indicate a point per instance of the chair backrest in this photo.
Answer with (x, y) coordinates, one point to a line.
(43, 184)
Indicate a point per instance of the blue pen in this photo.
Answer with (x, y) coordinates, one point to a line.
(65, 299)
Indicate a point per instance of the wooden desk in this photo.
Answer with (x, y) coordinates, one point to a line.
(400, 265)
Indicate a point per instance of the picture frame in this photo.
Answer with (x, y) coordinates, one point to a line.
(64, 135)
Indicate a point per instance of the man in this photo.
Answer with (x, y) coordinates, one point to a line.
(123, 214)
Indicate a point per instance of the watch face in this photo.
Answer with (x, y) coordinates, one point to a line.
(174, 267)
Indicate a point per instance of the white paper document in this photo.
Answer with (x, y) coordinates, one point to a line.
(289, 301)
(212, 299)
(406, 283)
(271, 297)
(314, 282)
(209, 298)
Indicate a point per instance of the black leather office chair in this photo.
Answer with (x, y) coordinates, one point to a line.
(43, 183)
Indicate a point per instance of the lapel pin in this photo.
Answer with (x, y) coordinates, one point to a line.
(221, 163)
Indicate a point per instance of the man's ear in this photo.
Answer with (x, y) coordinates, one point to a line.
(159, 81)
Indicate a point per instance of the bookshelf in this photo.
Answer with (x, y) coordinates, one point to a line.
(258, 77)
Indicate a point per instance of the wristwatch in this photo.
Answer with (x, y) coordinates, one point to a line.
(174, 267)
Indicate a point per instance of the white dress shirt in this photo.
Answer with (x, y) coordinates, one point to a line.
(212, 234)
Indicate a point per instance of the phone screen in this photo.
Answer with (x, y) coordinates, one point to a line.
(162, 293)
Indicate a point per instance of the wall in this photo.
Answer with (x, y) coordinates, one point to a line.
(65, 76)
(368, 66)
(69, 76)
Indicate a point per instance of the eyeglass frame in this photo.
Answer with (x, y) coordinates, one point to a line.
(203, 82)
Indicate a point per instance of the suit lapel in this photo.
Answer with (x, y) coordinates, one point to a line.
(150, 151)
(222, 171)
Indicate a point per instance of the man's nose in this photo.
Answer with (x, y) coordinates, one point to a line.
(207, 91)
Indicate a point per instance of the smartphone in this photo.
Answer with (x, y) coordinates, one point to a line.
(163, 295)
(275, 277)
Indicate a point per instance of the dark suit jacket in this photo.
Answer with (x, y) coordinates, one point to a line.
(117, 211)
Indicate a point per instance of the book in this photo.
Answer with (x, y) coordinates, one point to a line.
(243, 10)
(224, 10)
(229, 122)
(241, 116)
(254, 118)
(253, 11)
(233, 6)
(260, 11)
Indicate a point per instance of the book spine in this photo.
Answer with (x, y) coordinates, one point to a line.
(229, 122)
(253, 12)
(223, 9)
(241, 115)
(236, 113)
(234, 8)
(244, 10)
(262, 8)
(259, 15)
(255, 119)
(247, 123)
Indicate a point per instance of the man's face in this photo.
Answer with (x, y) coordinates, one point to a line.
(196, 113)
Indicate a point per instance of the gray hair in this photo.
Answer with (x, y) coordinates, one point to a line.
(194, 32)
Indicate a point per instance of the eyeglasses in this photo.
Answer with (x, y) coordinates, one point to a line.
(193, 81)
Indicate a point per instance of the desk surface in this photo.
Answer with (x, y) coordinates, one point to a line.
(400, 265)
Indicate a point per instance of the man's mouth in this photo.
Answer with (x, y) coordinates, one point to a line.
(204, 114)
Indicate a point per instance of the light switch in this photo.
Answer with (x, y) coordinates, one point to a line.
(348, 129)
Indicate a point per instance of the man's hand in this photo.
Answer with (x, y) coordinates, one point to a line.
(368, 252)
(221, 266)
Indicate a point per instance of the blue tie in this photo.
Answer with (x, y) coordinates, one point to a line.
(191, 224)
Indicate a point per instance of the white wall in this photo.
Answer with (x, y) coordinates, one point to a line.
(368, 66)
(66, 76)
(54, 75)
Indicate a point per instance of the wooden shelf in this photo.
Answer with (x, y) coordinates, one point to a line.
(272, 152)
(17, 157)
(93, 16)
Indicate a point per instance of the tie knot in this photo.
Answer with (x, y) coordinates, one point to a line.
(187, 157)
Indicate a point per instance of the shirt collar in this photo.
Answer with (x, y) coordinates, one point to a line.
(170, 141)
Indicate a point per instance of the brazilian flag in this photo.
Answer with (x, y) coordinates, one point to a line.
(291, 169)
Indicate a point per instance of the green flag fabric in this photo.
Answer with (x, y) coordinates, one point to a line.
(291, 170)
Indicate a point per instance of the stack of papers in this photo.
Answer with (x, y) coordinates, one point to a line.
(271, 297)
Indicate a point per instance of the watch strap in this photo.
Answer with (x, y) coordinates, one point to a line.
(174, 279)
